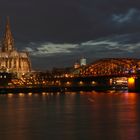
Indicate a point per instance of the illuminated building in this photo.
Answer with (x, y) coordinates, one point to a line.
(76, 65)
(83, 62)
(10, 59)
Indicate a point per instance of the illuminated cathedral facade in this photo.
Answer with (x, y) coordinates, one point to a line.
(10, 59)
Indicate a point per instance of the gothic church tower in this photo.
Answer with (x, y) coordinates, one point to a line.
(10, 59)
(8, 40)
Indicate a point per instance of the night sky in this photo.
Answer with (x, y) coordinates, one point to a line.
(59, 32)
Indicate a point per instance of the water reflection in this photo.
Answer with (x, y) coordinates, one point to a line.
(30, 94)
(72, 116)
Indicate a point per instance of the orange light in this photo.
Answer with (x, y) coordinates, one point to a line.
(10, 94)
(81, 83)
(68, 83)
(21, 94)
(93, 82)
(131, 83)
(43, 93)
(30, 94)
(131, 80)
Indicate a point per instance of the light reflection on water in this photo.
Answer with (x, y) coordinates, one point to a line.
(70, 116)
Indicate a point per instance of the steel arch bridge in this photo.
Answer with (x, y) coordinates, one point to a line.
(112, 66)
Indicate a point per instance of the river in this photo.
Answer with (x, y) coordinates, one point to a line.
(70, 116)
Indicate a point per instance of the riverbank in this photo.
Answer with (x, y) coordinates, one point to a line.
(5, 90)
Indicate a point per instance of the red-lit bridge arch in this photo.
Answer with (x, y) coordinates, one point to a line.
(112, 67)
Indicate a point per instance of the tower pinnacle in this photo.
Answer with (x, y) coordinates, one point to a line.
(8, 40)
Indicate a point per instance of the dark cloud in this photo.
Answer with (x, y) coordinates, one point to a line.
(68, 20)
(63, 55)
(58, 31)
(50, 20)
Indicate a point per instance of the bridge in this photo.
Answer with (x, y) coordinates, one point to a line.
(114, 68)
(103, 74)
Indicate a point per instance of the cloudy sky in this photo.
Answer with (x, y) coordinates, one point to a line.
(59, 32)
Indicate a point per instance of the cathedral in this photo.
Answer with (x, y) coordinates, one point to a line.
(10, 59)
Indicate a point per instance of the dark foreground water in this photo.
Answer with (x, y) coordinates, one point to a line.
(70, 116)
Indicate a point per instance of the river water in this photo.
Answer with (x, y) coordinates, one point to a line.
(70, 116)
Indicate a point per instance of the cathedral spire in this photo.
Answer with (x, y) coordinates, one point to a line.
(8, 40)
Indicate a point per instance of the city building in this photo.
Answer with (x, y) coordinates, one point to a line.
(83, 62)
(10, 59)
(76, 65)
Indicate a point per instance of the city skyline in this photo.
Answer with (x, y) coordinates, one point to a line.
(58, 33)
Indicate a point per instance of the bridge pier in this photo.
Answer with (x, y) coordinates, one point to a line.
(137, 84)
(131, 84)
(134, 84)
